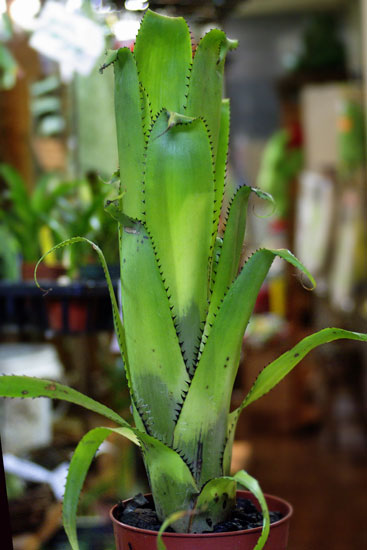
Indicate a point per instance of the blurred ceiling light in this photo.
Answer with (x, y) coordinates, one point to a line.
(23, 12)
(126, 29)
(2, 6)
(136, 5)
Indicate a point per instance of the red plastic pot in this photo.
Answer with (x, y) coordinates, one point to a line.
(132, 538)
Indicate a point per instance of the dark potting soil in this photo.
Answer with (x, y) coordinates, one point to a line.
(139, 512)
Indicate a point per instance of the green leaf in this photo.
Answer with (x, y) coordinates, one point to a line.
(157, 370)
(231, 431)
(231, 248)
(206, 81)
(171, 481)
(78, 469)
(271, 375)
(179, 217)
(251, 484)
(214, 504)
(27, 387)
(230, 253)
(201, 430)
(163, 57)
(130, 131)
(221, 160)
(119, 329)
(17, 193)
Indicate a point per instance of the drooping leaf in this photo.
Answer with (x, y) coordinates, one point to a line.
(206, 81)
(179, 217)
(119, 329)
(130, 131)
(27, 387)
(78, 469)
(252, 485)
(271, 375)
(157, 370)
(214, 504)
(201, 430)
(163, 57)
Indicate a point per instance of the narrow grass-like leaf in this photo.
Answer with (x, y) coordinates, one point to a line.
(201, 430)
(119, 329)
(163, 57)
(78, 469)
(252, 485)
(130, 131)
(271, 375)
(157, 370)
(179, 217)
(27, 387)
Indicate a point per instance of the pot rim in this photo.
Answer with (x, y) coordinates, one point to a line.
(255, 530)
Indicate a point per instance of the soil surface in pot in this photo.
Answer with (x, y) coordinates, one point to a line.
(139, 512)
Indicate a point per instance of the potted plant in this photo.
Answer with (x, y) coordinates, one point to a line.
(25, 216)
(185, 306)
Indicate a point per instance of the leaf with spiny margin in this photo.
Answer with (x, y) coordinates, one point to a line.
(130, 131)
(163, 57)
(206, 81)
(27, 387)
(252, 485)
(179, 200)
(221, 161)
(172, 484)
(157, 370)
(119, 328)
(156, 456)
(146, 112)
(230, 254)
(214, 504)
(231, 430)
(201, 430)
(273, 373)
(78, 469)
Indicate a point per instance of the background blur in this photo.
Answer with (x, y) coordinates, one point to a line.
(297, 85)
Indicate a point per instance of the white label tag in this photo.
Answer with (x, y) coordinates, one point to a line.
(72, 39)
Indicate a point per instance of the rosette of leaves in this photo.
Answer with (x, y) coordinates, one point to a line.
(185, 303)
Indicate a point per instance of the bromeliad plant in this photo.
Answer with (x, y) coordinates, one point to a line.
(185, 307)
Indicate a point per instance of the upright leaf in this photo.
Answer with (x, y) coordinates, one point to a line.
(201, 431)
(130, 131)
(230, 251)
(206, 81)
(163, 56)
(221, 161)
(173, 486)
(157, 370)
(179, 201)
